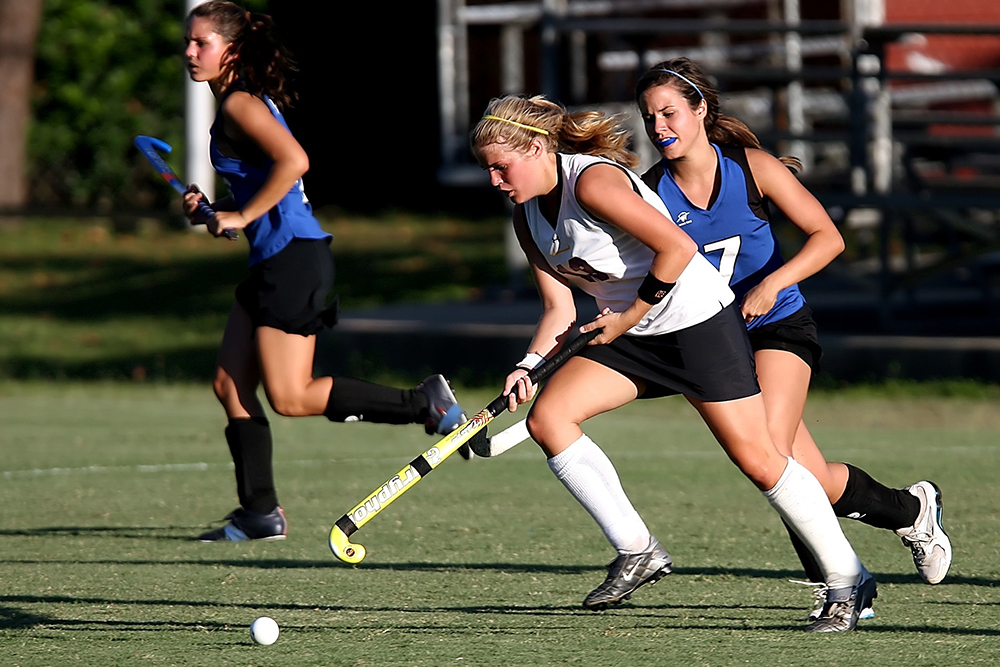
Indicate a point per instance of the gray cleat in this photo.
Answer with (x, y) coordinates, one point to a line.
(628, 572)
(843, 606)
(819, 592)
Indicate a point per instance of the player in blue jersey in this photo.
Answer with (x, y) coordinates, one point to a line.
(270, 337)
(717, 184)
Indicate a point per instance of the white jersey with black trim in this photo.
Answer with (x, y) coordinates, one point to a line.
(610, 264)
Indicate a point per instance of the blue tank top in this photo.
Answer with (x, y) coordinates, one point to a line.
(734, 233)
(245, 168)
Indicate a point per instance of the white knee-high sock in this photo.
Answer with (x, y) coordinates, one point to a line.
(586, 471)
(800, 500)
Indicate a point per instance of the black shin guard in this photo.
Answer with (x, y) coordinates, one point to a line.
(871, 502)
(809, 563)
(357, 400)
(250, 445)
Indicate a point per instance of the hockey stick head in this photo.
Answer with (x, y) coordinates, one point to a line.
(495, 445)
(344, 549)
(382, 497)
(150, 147)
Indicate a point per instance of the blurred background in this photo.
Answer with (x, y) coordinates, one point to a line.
(893, 106)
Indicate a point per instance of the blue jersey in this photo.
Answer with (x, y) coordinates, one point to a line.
(734, 232)
(245, 168)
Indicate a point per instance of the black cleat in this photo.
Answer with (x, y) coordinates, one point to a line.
(246, 525)
(444, 414)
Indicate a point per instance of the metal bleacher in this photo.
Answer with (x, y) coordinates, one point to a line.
(903, 149)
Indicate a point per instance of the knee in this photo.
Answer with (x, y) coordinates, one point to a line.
(224, 386)
(288, 404)
(541, 425)
(764, 472)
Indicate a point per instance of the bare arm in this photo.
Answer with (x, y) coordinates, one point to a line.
(558, 306)
(823, 242)
(248, 119)
(607, 192)
(558, 311)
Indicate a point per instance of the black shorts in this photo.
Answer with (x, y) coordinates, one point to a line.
(796, 334)
(289, 290)
(711, 361)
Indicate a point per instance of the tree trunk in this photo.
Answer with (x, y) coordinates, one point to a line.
(19, 22)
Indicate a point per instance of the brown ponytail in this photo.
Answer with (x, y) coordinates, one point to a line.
(260, 61)
(684, 76)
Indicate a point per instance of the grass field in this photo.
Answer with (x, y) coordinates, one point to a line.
(483, 563)
(88, 298)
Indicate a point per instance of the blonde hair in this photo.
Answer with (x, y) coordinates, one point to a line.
(685, 77)
(516, 121)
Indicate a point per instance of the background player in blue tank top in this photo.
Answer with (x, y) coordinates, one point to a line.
(717, 184)
(270, 336)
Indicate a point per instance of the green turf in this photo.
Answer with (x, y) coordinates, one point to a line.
(483, 563)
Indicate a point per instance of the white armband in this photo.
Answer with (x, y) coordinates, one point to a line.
(531, 361)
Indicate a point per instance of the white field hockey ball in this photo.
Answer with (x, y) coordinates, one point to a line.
(264, 631)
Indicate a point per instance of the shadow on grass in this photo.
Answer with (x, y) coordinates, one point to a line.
(103, 287)
(384, 359)
(16, 619)
(188, 364)
(657, 616)
(138, 532)
(132, 532)
(108, 291)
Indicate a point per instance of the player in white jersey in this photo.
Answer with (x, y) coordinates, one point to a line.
(669, 327)
(617, 262)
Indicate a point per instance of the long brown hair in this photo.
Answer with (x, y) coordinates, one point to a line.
(685, 77)
(515, 120)
(260, 61)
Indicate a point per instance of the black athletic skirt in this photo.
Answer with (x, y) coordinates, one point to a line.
(796, 334)
(289, 290)
(711, 361)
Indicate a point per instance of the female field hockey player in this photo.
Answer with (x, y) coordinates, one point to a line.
(670, 326)
(270, 336)
(714, 176)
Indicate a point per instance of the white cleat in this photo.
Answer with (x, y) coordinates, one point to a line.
(926, 538)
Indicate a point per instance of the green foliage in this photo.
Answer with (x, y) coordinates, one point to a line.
(106, 71)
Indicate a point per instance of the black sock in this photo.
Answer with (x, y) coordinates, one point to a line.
(250, 445)
(352, 399)
(871, 502)
(812, 568)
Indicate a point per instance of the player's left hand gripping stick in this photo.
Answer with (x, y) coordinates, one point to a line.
(150, 148)
(418, 468)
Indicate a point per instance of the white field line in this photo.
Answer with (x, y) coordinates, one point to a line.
(524, 452)
(88, 470)
(167, 467)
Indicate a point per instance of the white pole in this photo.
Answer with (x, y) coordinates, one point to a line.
(446, 30)
(199, 112)
(794, 92)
